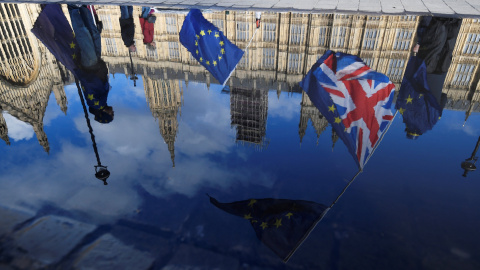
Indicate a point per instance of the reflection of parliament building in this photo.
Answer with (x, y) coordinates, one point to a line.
(284, 49)
(28, 74)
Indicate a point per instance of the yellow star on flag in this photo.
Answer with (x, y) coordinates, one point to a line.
(221, 43)
(252, 202)
(278, 222)
(331, 108)
(196, 51)
(74, 56)
(201, 59)
(409, 99)
(96, 103)
(196, 43)
(209, 31)
(420, 96)
(214, 63)
(202, 33)
(222, 51)
(249, 216)
(90, 97)
(264, 225)
(197, 36)
(401, 110)
(253, 221)
(217, 35)
(338, 120)
(208, 63)
(289, 215)
(72, 45)
(219, 58)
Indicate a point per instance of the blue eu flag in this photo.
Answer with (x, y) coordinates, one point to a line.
(416, 102)
(209, 46)
(280, 224)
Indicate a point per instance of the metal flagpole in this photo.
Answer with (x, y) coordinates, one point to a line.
(133, 70)
(360, 169)
(245, 51)
(101, 171)
(338, 197)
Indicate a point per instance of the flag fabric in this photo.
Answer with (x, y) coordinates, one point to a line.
(354, 99)
(415, 101)
(209, 46)
(280, 224)
(54, 31)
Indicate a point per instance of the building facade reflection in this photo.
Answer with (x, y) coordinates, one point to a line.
(29, 73)
(284, 49)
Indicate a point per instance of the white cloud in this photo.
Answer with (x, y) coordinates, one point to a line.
(286, 107)
(18, 130)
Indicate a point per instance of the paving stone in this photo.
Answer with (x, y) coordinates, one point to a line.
(392, 6)
(108, 252)
(326, 5)
(12, 217)
(475, 4)
(438, 7)
(49, 238)
(370, 6)
(414, 6)
(189, 257)
(347, 5)
(265, 4)
(462, 7)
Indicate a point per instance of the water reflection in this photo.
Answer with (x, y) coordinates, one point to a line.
(283, 51)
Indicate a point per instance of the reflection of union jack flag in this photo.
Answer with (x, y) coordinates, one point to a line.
(355, 100)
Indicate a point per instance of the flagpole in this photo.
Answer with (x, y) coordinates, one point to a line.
(360, 170)
(245, 51)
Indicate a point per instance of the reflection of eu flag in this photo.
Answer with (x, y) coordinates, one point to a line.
(415, 101)
(354, 99)
(209, 46)
(54, 31)
(280, 224)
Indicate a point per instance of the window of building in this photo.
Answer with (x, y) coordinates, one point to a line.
(269, 58)
(171, 23)
(402, 39)
(111, 46)
(294, 62)
(395, 69)
(269, 31)
(370, 39)
(322, 37)
(463, 74)
(297, 33)
(244, 61)
(218, 23)
(173, 50)
(152, 53)
(242, 30)
(472, 44)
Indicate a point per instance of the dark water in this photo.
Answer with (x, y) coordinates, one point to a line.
(410, 208)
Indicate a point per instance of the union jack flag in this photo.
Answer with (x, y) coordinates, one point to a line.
(355, 100)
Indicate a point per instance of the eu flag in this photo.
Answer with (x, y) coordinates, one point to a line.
(209, 46)
(54, 31)
(280, 224)
(416, 102)
(354, 99)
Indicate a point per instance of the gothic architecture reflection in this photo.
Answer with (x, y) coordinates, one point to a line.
(283, 50)
(164, 98)
(288, 44)
(28, 73)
